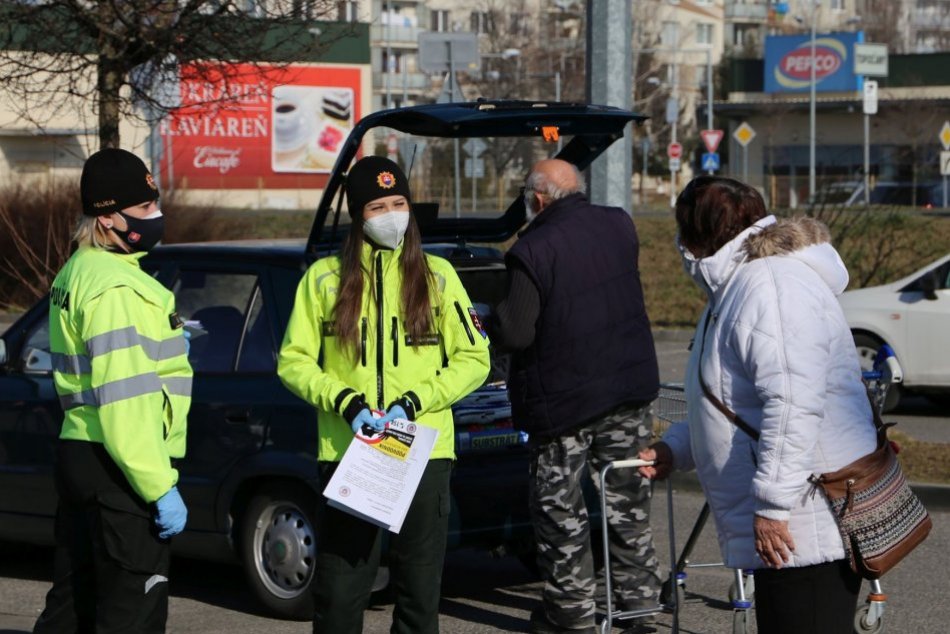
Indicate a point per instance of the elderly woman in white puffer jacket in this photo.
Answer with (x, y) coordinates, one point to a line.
(773, 347)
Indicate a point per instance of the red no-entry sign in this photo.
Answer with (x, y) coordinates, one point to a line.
(674, 150)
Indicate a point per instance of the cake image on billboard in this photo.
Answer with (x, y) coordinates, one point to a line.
(309, 126)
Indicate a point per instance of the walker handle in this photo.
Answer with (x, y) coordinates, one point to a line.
(632, 462)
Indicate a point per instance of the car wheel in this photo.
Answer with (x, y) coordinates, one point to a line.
(278, 543)
(867, 347)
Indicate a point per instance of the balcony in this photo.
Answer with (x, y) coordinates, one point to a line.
(396, 35)
(932, 19)
(747, 12)
(410, 81)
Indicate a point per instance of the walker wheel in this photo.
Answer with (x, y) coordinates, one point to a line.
(749, 591)
(666, 599)
(861, 624)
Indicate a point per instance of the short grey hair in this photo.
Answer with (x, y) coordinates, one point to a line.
(539, 182)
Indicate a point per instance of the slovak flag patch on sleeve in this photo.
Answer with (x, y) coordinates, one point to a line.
(477, 322)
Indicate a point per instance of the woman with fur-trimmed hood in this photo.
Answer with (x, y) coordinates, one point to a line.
(772, 346)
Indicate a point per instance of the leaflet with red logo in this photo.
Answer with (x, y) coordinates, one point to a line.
(380, 472)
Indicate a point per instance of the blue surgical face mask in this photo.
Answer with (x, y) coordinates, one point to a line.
(693, 266)
(142, 233)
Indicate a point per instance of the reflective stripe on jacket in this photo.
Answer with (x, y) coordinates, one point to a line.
(120, 365)
(440, 369)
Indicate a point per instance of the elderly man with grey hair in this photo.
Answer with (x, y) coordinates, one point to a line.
(583, 375)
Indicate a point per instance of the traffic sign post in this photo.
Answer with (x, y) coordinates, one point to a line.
(710, 162)
(711, 139)
(869, 107)
(744, 135)
(674, 164)
(674, 150)
(474, 167)
(945, 165)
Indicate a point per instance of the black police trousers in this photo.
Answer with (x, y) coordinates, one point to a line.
(349, 556)
(111, 568)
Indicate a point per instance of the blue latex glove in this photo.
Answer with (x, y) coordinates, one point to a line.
(365, 417)
(187, 334)
(171, 514)
(396, 411)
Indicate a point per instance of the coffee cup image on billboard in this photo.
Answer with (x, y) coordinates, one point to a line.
(309, 127)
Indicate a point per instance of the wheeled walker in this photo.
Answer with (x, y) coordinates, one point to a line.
(670, 407)
(672, 605)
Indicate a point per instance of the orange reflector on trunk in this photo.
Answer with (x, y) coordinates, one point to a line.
(550, 133)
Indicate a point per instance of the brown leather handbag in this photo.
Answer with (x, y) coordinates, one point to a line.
(880, 518)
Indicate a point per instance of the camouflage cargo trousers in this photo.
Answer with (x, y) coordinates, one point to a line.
(561, 525)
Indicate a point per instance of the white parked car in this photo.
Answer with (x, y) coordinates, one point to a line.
(912, 315)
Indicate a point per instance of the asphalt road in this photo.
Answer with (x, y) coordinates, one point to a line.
(483, 594)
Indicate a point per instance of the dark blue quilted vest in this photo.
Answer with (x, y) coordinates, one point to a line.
(593, 350)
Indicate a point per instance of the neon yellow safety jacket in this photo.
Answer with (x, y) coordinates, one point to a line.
(434, 373)
(120, 365)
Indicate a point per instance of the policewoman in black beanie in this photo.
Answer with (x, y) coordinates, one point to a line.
(382, 326)
(123, 379)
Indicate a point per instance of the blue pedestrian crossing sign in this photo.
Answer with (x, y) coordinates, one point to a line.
(710, 161)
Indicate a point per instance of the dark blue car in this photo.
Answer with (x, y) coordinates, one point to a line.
(250, 474)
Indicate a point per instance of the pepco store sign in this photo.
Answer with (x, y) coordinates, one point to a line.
(262, 127)
(788, 61)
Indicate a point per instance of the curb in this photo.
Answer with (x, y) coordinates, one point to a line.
(936, 497)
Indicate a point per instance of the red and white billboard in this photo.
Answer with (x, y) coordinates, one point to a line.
(261, 128)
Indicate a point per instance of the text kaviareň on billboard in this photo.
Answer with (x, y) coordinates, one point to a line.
(788, 62)
(282, 127)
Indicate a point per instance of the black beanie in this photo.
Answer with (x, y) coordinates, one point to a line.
(373, 177)
(113, 180)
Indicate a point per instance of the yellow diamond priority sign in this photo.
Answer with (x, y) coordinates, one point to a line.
(744, 134)
(945, 135)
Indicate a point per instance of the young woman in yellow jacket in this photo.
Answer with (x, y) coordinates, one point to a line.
(382, 326)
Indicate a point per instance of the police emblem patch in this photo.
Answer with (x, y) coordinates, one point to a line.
(477, 322)
(386, 180)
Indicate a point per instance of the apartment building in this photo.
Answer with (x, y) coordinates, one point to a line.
(747, 22)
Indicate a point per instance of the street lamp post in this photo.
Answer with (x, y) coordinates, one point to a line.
(672, 78)
(811, 106)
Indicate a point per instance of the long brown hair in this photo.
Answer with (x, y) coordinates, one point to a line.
(712, 210)
(417, 282)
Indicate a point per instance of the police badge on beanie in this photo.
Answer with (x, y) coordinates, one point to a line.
(374, 177)
(113, 180)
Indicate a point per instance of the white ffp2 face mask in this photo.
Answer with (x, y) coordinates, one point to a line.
(388, 229)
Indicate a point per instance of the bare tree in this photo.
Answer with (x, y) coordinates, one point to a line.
(883, 21)
(125, 55)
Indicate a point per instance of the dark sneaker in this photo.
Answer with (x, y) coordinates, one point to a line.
(540, 624)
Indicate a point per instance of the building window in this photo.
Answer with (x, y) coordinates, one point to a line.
(670, 34)
(440, 20)
(518, 24)
(745, 35)
(347, 11)
(392, 63)
(704, 3)
(837, 5)
(482, 22)
(704, 33)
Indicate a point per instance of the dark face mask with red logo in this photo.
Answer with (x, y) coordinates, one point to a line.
(142, 233)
